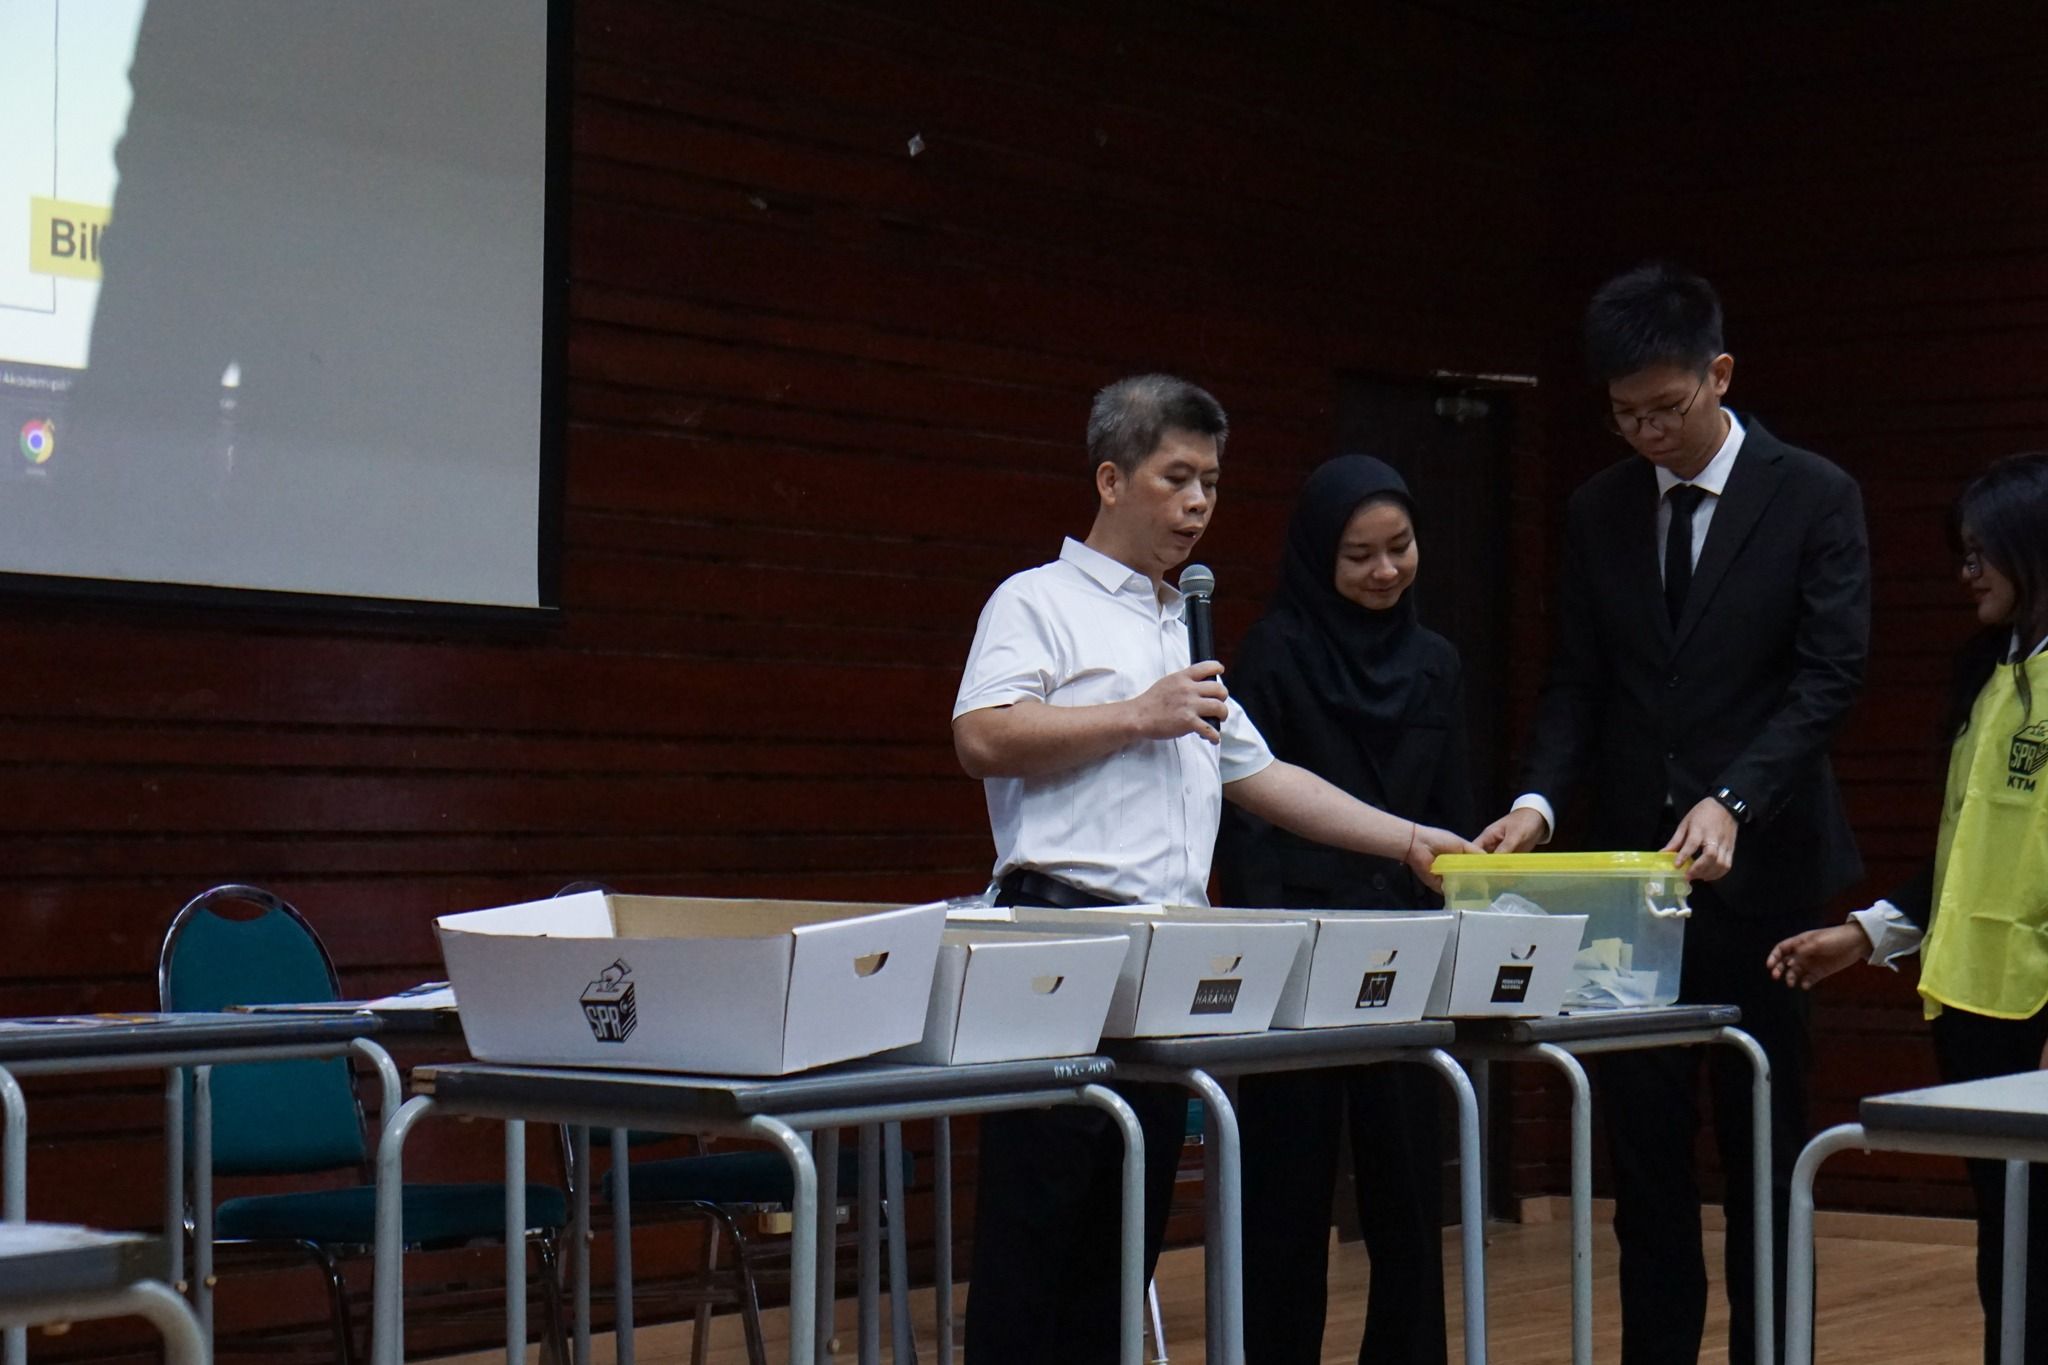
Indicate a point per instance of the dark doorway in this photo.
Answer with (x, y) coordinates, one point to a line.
(1452, 440)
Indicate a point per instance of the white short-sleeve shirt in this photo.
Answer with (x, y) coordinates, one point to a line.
(1140, 825)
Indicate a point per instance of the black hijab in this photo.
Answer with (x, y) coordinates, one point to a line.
(1368, 700)
(1365, 670)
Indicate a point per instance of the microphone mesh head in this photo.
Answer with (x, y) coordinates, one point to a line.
(1198, 580)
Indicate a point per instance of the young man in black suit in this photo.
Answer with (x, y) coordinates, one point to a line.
(1714, 619)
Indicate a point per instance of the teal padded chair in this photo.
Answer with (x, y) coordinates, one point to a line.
(300, 1117)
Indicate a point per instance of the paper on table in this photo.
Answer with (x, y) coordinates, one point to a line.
(428, 995)
(48, 1021)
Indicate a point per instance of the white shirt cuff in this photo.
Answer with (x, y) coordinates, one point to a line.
(1892, 935)
(1534, 801)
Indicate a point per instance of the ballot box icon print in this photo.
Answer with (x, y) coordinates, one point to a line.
(1376, 988)
(609, 1006)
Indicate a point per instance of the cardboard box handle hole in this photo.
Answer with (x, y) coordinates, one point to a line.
(1046, 985)
(869, 965)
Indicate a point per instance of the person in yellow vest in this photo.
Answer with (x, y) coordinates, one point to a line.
(1978, 913)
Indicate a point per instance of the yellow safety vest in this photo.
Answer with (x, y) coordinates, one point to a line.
(1988, 950)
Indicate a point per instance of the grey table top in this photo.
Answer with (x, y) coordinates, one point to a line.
(572, 1094)
(2001, 1107)
(1233, 1053)
(56, 1038)
(401, 1022)
(1587, 1025)
(43, 1261)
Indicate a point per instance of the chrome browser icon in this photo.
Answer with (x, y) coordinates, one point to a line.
(38, 440)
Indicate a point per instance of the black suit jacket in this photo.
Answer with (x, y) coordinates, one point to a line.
(1746, 692)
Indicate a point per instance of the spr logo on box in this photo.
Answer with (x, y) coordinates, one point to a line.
(608, 1004)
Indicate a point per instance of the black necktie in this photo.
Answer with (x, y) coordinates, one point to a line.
(1685, 500)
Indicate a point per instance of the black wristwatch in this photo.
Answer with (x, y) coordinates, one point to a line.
(1737, 807)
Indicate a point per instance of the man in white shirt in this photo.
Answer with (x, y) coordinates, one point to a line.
(1105, 756)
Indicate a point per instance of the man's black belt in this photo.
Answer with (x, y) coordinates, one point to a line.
(1023, 886)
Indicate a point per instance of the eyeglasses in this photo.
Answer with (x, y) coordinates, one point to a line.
(1661, 420)
(1973, 564)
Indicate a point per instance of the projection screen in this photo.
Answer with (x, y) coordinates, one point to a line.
(278, 298)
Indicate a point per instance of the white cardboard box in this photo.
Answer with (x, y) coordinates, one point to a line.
(1001, 995)
(664, 983)
(1505, 965)
(1363, 967)
(1188, 972)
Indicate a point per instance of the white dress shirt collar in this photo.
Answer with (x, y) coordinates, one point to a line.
(1714, 478)
(1113, 574)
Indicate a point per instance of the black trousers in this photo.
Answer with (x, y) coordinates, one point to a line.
(1969, 1047)
(1289, 1124)
(1048, 1225)
(1651, 1116)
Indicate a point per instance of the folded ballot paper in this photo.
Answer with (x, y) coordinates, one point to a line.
(1604, 977)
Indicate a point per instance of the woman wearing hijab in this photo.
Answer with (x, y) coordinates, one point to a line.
(1342, 678)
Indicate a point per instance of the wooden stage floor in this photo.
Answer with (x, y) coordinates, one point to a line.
(1901, 1301)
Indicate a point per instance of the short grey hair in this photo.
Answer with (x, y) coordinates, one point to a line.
(1132, 416)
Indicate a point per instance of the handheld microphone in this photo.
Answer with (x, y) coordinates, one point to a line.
(1197, 587)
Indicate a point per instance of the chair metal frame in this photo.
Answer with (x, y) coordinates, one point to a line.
(327, 1257)
(722, 1220)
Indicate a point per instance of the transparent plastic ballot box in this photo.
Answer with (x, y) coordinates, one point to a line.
(1634, 904)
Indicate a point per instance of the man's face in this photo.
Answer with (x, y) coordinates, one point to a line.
(1161, 508)
(1671, 414)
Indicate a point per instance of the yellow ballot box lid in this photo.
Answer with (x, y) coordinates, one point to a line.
(1556, 864)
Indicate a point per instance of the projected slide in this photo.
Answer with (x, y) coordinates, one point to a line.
(271, 295)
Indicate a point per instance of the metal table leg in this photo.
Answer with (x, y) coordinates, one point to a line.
(174, 1175)
(515, 1242)
(804, 1333)
(1223, 1215)
(1471, 1200)
(1131, 1308)
(2012, 1324)
(387, 1328)
(869, 1351)
(1581, 1196)
(202, 1199)
(902, 1342)
(579, 1232)
(1799, 1239)
(184, 1343)
(1763, 1214)
(825, 1294)
(622, 1244)
(14, 1189)
(149, 1299)
(942, 1233)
